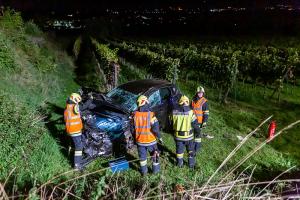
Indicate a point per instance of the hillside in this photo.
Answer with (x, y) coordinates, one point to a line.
(37, 75)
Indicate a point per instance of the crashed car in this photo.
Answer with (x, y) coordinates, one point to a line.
(107, 117)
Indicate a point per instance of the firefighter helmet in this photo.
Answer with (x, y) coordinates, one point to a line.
(142, 100)
(76, 98)
(200, 89)
(184, 99)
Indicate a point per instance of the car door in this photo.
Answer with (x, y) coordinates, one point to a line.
(159, 103)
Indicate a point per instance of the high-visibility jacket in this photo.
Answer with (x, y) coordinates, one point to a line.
(142, 124)
(73, 119)
(183, 121)
(200, 109)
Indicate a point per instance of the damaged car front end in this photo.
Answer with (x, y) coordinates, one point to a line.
(107, 117)
(106, 125)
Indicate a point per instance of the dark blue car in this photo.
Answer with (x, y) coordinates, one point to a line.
(107, 117)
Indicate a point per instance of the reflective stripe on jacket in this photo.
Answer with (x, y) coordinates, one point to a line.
(182, 124)
(142, 124)
(73, 119)
(197, 108)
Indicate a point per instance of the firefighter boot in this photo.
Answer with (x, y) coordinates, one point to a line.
(144, 168)
(78, 160)
(197, 145)
(155, 164)
(191, 159)
(180, 162)
(156, 167)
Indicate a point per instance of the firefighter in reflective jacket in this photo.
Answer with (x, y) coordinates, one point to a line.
(200, 108)
(185, 125)
(146, 129)
(74, 126)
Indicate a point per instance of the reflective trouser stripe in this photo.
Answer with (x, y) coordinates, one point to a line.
(147, 144)
(143, 162)
(78, 153)
(184, 139)
(75, 134)
(155, 163)
(197, 139)
(179, 155)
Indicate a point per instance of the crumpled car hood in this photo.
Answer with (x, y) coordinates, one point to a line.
(112, 123)
(110, 119)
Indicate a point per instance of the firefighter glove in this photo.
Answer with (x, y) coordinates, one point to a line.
(160, 140)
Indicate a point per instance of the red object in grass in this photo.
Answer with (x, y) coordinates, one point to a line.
(272, 129)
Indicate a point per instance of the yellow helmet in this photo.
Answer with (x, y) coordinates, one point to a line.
(184, 99)
(200, 89)
(142, 100)
(76, 98)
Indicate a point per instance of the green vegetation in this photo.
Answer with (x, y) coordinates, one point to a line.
(226, 122)
(89, 72)
(36, 78)
(153, 62)
(105, 53)
(77, 47)
(107, 62)
(222, 64)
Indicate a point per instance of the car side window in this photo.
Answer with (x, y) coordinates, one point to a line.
(164, 94)
(154, 99)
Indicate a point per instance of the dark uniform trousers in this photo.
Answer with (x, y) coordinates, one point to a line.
(78, 149)
(189, 146)
(142, 151)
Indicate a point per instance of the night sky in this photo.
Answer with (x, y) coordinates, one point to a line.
(97, 5)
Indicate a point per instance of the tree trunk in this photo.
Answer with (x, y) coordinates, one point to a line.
(264, 94)
(220, 93)
(226, 95)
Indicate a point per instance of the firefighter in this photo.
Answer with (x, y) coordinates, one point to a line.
(185, 125)
(200, 108)
(74, 126)
(146, 128)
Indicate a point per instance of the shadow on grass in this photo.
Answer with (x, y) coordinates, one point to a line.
(167, 154)
(56, 128)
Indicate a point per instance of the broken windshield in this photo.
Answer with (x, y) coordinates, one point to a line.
(124, 98)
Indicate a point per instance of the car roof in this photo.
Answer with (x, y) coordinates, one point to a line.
(141, 86)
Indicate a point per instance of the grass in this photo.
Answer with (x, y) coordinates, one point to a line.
(34, 86)
(226, 122)
(32, 83)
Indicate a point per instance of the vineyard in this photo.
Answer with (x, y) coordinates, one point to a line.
(241, 78)
(219, 65)
(227, 69)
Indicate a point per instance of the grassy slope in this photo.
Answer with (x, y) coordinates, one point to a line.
(36, 78)
(33, 87)
(225, 123)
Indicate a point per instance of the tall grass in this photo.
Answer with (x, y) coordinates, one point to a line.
(34, 84)
(110, 185)
(35, 77)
